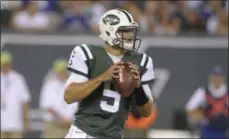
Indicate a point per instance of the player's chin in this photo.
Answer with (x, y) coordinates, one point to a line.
(118, 47)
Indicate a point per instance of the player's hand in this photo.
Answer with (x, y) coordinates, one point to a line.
(135, 73)
(112, 71)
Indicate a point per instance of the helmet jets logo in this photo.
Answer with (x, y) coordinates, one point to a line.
(111, 20)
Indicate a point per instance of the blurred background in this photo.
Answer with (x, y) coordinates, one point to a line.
(157, 17)
(184, 38)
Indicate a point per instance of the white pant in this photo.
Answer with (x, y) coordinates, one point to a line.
(75, 132)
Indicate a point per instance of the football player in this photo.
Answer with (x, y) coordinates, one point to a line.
(102, 111)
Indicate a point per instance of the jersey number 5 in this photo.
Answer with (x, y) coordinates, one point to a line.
(112, 105)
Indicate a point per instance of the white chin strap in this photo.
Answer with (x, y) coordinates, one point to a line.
(128, 45)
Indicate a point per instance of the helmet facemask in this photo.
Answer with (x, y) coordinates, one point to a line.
(126, 38)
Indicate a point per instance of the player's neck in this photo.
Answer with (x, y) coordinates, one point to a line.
(113, 51)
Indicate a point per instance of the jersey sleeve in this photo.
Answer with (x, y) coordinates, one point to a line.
(78, 60)
(78, 64)
(75, 78)
(147, 91)
(147, 64)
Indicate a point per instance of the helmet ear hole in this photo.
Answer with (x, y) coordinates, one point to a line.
(116, 41)
(108, 33)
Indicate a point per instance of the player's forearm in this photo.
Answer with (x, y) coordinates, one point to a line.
(146, 109)
(78, 91)
(144, 103)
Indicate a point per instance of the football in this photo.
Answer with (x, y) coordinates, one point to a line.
(125, 84)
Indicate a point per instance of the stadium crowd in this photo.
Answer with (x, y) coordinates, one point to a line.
(157, 17)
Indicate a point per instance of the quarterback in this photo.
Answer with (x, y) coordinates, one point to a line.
(103, 111)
